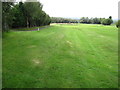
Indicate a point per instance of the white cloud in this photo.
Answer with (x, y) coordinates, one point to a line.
(80, 8)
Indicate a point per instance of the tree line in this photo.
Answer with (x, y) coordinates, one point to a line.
(104, 21)
(63, 20)
(30, 14)
(27, 14)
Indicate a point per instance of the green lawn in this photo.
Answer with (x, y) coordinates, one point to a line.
(61, 56)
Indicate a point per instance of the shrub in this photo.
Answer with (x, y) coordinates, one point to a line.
(107, 21)
(96, 21)
(118, 24)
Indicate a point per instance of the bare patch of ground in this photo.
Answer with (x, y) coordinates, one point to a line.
(31, 46)
(36, 61)
(69, 43)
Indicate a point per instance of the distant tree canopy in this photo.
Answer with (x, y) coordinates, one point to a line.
(63, 20)
(28, 14)
(83, 20)
(107, 21)
(90, 20)
(96, 20)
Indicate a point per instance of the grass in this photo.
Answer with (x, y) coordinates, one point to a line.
(28, 29)
(61, 56)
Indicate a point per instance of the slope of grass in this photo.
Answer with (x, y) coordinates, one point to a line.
(62, 56)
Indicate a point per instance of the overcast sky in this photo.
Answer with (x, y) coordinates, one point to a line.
(81, 8)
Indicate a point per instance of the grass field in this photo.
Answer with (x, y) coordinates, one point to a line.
(61, 56)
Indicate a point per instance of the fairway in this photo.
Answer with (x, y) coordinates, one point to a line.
(61, 56)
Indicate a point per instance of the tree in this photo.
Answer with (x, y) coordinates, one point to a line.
(63, 20)
(118, 24)
(110, 17)
(27, 14)
(107, 21)
(6, 15)
(83, 20)
(96, 21)
(35, 16)
(19, 19)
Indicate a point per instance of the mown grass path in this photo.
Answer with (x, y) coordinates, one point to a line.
(62, 56)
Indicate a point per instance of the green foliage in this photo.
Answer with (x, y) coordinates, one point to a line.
(7, 19)
(118, 24)
(96, 21)
(27, 14)
(107, 21)
(90, 20)
(84, 20)
(18, 16)
(110, 17)
(63, 20)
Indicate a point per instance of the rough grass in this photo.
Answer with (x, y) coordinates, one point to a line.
(62, 56)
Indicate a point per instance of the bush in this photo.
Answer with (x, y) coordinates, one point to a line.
(96, 21)
(107, 21)
(118, 24)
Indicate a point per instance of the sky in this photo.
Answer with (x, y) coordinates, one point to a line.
(81, 8)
